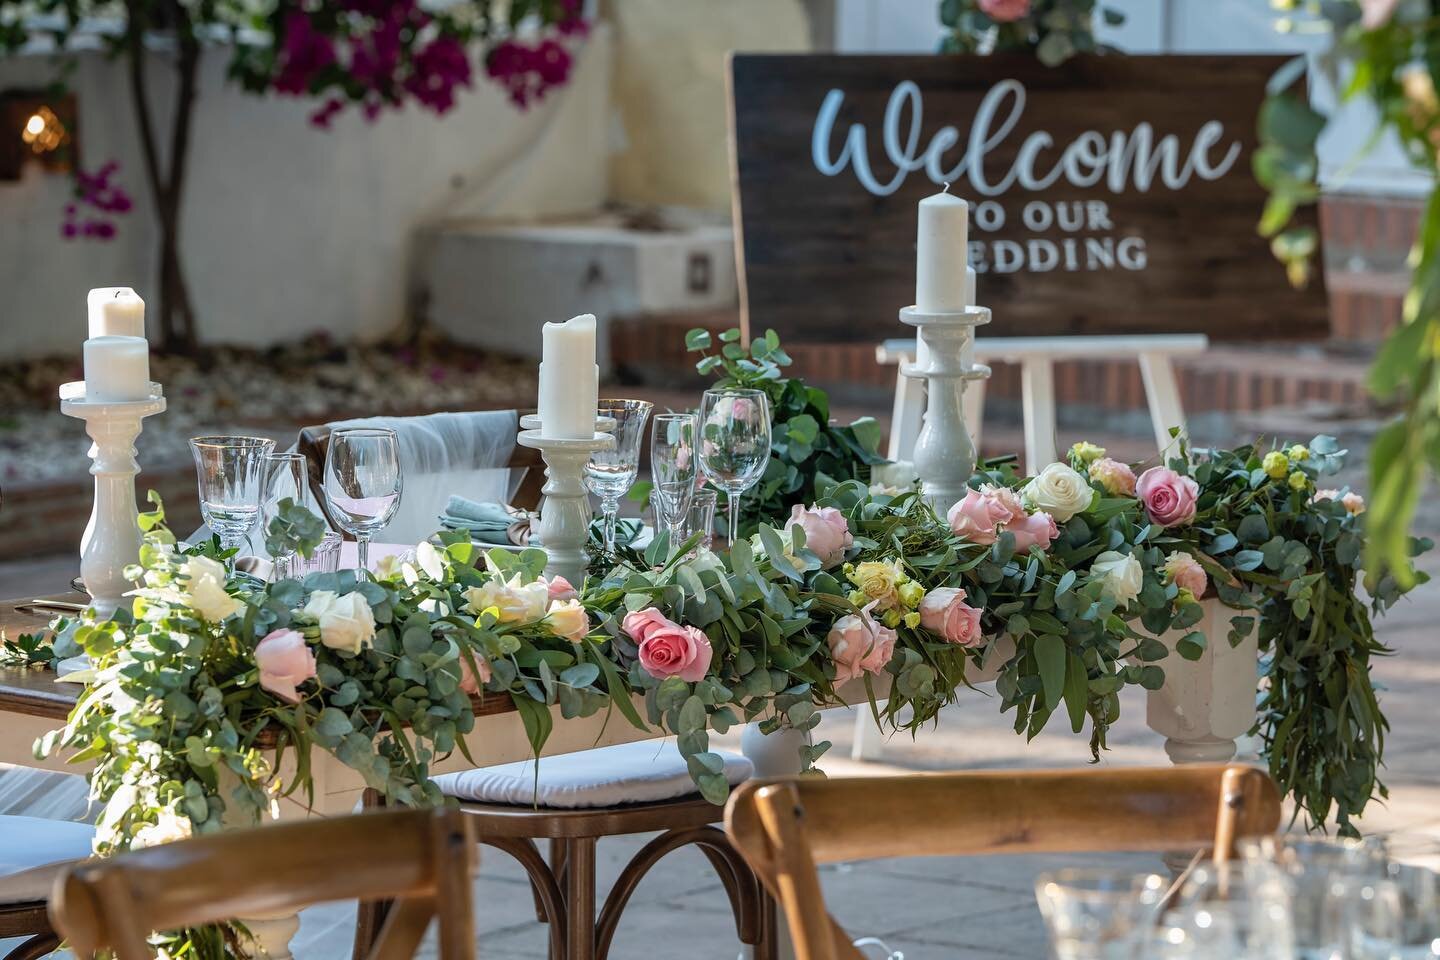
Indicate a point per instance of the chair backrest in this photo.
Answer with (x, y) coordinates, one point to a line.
(423, 859)
(465, 443)
(785, 828)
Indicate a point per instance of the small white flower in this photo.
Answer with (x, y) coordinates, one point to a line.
(1120, 576)
(517, 602)
(204, 589)
(430, 560)
(346, 623)
(1059, 491)
(170, 827)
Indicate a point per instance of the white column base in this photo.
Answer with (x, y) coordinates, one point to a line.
(1206, 704)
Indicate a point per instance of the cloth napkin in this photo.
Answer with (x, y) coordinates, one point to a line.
(485, 522)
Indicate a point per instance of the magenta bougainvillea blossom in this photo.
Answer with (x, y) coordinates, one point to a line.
(98, 200)
(382, 54)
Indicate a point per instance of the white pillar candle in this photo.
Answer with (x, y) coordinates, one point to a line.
(115, 312)
(117, 369)
(943, 280)
(569, 379)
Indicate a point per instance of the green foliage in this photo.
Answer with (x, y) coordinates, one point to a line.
(1053, 30)
(807, 450)
(26, 650)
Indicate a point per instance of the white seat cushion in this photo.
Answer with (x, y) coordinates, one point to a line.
(27, 842)
(640, 772)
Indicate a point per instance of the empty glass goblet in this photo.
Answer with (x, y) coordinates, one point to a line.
(230, 473)
(1098, 914)
(672, 469)
(363, 483)
(285, 479)
(734, 443)
(612, 472)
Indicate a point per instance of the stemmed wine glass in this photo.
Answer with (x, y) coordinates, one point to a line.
(734, 443)
(285, 478)
(672, 468)
(363, 483)
(230, 473)
(611, 472)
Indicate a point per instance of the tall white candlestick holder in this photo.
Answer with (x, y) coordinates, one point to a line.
(944, 454)
(112, 537)
(565, 513)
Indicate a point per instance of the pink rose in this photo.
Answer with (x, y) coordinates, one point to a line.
(666, 648)
(1117, 478)
(1186, 573)
(1005, 11)
(1007, 498)
(944, 611)
(859, 645)
(827, 534)
(1374, 14)
(472, 680)
(285, 662)
(560, 589)
(1168, 497)
(1036, 530)
(976, 517)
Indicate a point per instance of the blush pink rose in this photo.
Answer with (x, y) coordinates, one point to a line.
(470, 680)
(1036, 530)
(1186, 573)
(560, 589)
(1005, 11)
(827, 534)
(666, 648)
(859, 645)
(976, 517)
(1007, 498)
(285, 661)
(1117, 478)
(1168, 497)
(943, 611)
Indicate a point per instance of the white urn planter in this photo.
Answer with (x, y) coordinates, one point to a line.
(1206, 704)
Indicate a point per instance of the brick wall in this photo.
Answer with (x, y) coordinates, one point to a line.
(45, 519)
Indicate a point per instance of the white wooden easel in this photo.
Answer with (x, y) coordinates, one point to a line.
(1036, 357)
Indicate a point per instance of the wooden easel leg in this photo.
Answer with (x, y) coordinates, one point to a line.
(1162, 392)
(906, 416)
(974, 401)
(1037, 397)
(868, 744)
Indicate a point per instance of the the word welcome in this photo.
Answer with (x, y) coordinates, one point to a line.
(1134, 159)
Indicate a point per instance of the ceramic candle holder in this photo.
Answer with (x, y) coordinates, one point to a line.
(565, 513)
(112, 537)
(944, 454)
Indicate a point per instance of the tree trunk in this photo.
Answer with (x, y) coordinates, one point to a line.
(167, 178)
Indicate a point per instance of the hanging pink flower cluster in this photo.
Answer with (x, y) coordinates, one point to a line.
(98, 201)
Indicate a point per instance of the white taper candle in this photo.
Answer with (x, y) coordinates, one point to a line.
(569, 379)
(115, 312)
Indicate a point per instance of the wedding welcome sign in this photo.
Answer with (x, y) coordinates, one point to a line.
(1110, 195)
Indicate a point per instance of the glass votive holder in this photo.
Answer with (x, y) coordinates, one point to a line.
(701, 518)
(324, 559)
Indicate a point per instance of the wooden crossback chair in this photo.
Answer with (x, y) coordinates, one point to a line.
(785, 828)
(424, 859)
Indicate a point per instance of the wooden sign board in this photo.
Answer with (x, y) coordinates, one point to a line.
(1110, 195)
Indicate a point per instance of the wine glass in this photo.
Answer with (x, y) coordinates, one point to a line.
(611, 472)
(672, 468)
(363, 482)
(1096, 914)
(734, 443)
(701, 518)
(230, 473)
(1255, 899)
(285, 479)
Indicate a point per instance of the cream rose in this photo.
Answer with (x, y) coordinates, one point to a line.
(879, 581)
(346, 622)
(1060, 492)
(516, 602)
(568, 620)
(204, 589)
(1120, 576)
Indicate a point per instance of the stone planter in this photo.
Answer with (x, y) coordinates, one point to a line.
(1206, 704)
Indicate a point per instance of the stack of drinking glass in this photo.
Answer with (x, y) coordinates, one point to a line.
(1285, 898)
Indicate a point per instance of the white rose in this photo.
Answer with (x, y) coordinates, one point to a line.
(568, 620)
(1120, 576)
(899, 475)
(346, 623)
(517, 602)
(1059, 491)
(430, 560)
(204, 589)
(170, 827)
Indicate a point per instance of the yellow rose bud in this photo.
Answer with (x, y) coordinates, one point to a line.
(891, 618)
(912, 619)
(1276, 465)
(879, 580)
(1298, 453)
(911, 594)
(857, 597)
(1299, 482)
(1086, 452)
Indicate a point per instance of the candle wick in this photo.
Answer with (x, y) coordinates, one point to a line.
(947, 187)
